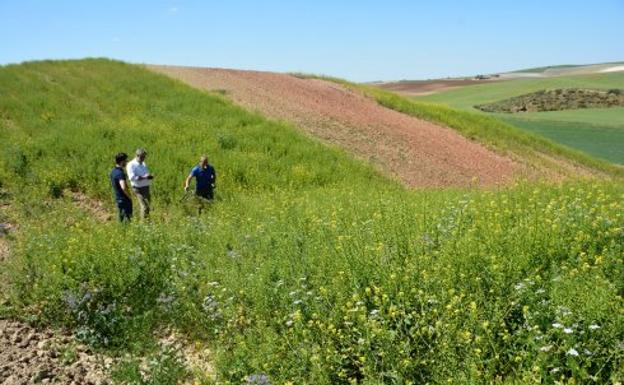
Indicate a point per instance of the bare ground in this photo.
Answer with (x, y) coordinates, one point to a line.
(428, 87)
(420, 153)
(93, 206)
(29, 356)
(4, 250)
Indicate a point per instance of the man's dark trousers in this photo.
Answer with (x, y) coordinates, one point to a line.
(206, 193)
(125, 209)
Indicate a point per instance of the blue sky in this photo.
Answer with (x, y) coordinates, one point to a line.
(358, 40)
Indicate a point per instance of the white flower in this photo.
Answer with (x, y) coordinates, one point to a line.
(298, 302)
(554, 370)
(568, 331)
(540, 291)
(572, 352)
(519, 286)
(587, 352)
(293, 293)
(374, 312)
(557, 325)
(545, 348)
(594, 327)
(289, 323)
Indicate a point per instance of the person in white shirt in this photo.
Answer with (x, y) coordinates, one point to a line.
(140, 179)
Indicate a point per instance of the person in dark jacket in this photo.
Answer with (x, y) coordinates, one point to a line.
(205, 180)
(120, 187)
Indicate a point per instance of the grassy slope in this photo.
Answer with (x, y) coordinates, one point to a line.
(121, 107)
(496, 133)
(310, 267)
(602, 141)
(540, 70)
(466, 97)
(565, 67)
(604, 117)
(598, 132)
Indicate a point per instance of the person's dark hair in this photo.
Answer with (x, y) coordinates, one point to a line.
(122, 156)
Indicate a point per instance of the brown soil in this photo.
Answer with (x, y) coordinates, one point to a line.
(427, 87)
(4, 249)
(92, 206)
(197, 358)
(29, 356)
(420, 153)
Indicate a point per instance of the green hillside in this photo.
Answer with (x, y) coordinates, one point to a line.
(310, 267)
(563, 68)
(468, 96)
(542, 69)
(502, 135)
(598, 132)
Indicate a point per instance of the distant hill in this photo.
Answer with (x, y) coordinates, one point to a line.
(433, 86)
(563, 69)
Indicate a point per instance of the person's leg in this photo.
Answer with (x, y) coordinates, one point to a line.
(148, 201)
(143, 196)
(128, 210)
(122, 210)
(204, 197)
(125, 210)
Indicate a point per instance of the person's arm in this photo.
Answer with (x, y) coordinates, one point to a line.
(124, 187)
(131, 169)
(148, 174)
(187, 182)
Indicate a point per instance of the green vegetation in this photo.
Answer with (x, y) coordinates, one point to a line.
(604, 141)
(467, 97)
(310, 268)
(539, 70)
(501, 136)
(595, 131)
(605, 117)
(557, 100)
(563, 67)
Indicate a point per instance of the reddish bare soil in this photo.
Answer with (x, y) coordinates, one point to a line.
(427, 87)
(420, 153)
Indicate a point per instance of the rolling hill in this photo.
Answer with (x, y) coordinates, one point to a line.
(596, 131)
(419, 149)
(310, 266)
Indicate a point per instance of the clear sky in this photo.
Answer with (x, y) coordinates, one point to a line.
(358, 40)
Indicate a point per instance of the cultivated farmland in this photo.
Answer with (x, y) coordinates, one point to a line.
(596, 131)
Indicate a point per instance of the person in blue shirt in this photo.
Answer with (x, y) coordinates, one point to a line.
(120, 187)
(205, 179)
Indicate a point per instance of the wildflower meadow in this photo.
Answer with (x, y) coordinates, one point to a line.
(310, 267)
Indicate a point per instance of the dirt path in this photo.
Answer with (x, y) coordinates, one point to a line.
(420, 153)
